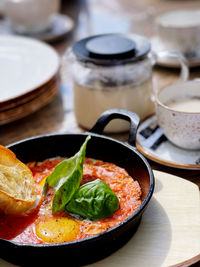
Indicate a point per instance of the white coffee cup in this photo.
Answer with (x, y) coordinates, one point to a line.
(180, 31)
(178, 113)
(31, 16)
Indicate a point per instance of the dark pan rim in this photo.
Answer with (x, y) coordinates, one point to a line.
(111, 230)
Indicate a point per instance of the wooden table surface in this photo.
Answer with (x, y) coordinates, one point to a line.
(58, 116)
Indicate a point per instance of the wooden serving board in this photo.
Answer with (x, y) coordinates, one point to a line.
(169, 233)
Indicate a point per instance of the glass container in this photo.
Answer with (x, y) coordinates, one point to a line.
(111, 71)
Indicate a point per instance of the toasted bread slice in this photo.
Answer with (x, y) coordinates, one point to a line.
(17, 189)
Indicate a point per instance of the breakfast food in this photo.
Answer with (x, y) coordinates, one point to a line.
(17, 189)
(81, 197)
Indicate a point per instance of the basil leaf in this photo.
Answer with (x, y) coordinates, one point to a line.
(66, 178)
(94, 200)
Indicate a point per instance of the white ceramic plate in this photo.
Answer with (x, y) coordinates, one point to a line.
(25, 64)
(154, 145)
(158, 46)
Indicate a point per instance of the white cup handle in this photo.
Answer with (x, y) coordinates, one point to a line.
(162, 55)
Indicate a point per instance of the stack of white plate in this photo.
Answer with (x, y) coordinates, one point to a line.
(29, 76)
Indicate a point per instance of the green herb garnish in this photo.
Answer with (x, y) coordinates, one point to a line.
(66, 178)
(94, 200)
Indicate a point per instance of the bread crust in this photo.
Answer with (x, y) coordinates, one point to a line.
(17, 188)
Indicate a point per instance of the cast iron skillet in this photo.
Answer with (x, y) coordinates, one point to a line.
(126, 155)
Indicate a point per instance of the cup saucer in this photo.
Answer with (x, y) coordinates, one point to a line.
(158, 46)
(153, 144)
(61, 26)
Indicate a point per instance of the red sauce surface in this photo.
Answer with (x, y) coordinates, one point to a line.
(22, 228)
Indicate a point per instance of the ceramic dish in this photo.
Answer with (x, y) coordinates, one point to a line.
(158, 46)
(125, 155)
(20, 57)
(30, 102)
(60, 27)
(30, 106)
(152, 143)
(18, 101)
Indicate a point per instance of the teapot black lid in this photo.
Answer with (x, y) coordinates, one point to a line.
(111, 49)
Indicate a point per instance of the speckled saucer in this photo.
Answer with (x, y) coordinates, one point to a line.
(152, 143)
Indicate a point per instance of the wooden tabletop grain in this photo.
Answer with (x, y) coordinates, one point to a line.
(58, 116)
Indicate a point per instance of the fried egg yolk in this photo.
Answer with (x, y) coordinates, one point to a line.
(43, 181)
(57, 230)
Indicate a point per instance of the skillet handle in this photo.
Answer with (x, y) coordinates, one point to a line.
(123, 114)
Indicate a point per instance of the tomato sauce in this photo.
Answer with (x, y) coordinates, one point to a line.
(22, 228)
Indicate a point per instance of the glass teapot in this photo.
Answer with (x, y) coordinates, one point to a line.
(114, 71)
